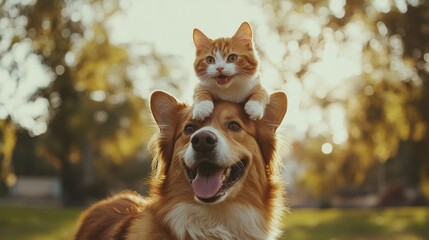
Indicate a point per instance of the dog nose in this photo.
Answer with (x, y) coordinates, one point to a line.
(204, 141)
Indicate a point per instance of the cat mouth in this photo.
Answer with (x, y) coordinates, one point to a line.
(223, 79)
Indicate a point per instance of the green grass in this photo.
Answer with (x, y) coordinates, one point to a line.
(36, 223)
(354, 224)
(33, 223)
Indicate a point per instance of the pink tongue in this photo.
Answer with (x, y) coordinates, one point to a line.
(208, 182)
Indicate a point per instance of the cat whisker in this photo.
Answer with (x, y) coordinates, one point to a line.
(239, 75)
(204, 76)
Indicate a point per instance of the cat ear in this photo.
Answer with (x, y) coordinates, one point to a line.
(244, 34)
(200, 40)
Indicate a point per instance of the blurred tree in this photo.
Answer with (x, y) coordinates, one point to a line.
(411, 23)
(18, 70)
(25, 161)
(95, 116)
(7, 143)
(363, 68)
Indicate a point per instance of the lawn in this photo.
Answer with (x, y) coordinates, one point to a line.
(354, 224)
(37, 223)
(22, 223)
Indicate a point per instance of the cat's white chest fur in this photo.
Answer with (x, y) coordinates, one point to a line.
(237, 92)
(200, 222)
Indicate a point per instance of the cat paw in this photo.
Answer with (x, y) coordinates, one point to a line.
(254, 109)
(202, 110)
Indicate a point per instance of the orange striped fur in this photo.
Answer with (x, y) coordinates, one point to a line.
(238, 81)
(250, 210)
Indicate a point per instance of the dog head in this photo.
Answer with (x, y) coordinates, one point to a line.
(223, 157)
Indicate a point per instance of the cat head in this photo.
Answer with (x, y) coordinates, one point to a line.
(222, 62)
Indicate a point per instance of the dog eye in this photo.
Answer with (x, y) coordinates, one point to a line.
(234, 126)
(210, 60)
(190, 128)
(232, 58)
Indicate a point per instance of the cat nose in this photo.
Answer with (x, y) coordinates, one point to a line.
(219, 69)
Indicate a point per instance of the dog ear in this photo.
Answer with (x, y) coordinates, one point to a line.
(163, 107)
(267, 126)
(165, 110)
(275, 110)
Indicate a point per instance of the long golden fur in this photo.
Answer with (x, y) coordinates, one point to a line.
(249, 209)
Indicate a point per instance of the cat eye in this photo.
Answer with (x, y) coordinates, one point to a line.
(210, 60)
(232, 58)
(234, 126)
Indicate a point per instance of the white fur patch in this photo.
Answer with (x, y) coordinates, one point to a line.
(202, 110)
(220, 62)
(224, 157)
(254, 109)
(232, 222)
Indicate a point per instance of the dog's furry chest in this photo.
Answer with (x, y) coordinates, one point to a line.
(190, 221)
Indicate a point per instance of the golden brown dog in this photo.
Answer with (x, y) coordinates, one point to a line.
(216, 179)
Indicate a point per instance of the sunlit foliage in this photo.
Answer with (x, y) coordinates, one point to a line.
(91, 113)
(360, 91)
(7, 143)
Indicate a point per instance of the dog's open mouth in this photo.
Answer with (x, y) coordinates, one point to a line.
(223, 79)
(210, 181)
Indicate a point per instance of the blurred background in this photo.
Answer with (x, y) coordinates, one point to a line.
(76, 76)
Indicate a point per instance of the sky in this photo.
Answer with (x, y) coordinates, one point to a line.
(169, 24)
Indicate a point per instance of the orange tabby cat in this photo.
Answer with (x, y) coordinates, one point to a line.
(228, 70)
